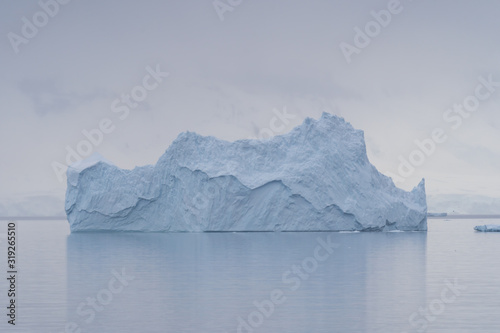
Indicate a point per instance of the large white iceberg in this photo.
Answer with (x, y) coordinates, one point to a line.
(315, 178)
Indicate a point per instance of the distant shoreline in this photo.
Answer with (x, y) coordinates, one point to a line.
(466, 216)
(32, 218)
(450, 217)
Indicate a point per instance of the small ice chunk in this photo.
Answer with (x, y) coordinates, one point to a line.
(488, 228)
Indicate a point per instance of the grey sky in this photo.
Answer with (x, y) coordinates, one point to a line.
(226, 77)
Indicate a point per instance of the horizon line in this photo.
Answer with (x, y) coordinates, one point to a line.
(462, 216)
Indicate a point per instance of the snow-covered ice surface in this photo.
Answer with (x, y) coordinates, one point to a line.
(488, 228)
(315, 178)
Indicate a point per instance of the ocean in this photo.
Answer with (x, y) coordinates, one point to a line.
(443, 280)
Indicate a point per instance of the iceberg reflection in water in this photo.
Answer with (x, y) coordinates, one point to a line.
(216, 282)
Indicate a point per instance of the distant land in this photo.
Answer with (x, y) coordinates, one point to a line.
(434, 216)
(32, 218)
(437, 214)
(465, 216)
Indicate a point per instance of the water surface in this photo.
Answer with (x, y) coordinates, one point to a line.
(445, 280)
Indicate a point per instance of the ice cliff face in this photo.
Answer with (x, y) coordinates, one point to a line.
(317, 177)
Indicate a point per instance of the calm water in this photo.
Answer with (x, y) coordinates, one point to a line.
(446, 280)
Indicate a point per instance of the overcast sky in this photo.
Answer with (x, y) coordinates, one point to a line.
(234, 65)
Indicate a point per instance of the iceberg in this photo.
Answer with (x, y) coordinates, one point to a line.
(488, 228)
(317, 177)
